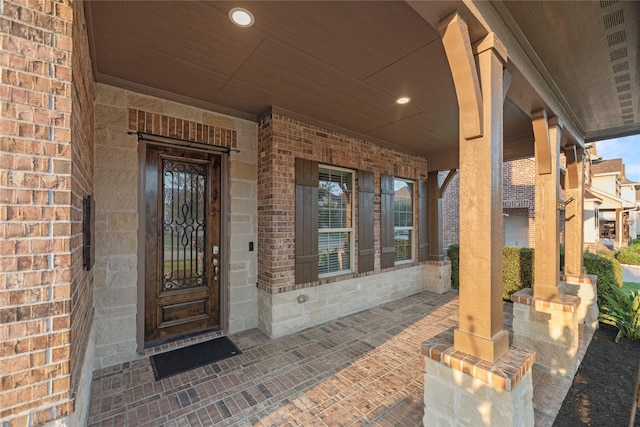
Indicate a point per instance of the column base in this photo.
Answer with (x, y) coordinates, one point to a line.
(550, 328)
(438, 275)
(585, 287)
(487, 349)
(463, 390)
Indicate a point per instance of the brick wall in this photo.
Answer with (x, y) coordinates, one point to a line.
(40, 278)
(82, 130)
(518, 196)
(518, 180)
(280, 140)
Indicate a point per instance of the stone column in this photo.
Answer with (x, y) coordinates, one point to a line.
(434, 200)
(574, 212)
(438, 268)
(575, 281)
(545, 321)
(547, 135)
(548, 327)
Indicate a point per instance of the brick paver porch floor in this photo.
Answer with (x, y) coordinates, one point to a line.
(364, 369)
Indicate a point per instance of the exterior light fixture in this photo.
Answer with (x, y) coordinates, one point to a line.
(403, 100)
(241, 17)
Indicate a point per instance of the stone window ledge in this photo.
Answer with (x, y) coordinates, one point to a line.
(438, 263)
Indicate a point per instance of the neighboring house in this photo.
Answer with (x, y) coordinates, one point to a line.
(616, 212)
(519, 202)
(518, 205)
(629, 191)
(591, 218)
(609, 196)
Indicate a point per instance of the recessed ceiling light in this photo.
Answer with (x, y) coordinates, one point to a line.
(403, 100)
(241, 17)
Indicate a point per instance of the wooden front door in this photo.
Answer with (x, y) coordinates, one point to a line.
(182, 243)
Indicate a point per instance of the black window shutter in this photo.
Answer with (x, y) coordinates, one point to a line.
(388, 248)
(306, 221)
(366, 250)
(423, 230)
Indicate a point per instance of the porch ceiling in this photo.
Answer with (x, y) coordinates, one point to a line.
(344, 64)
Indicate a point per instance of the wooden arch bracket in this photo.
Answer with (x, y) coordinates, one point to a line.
(457, 46)
(575, 157)
(542, 142)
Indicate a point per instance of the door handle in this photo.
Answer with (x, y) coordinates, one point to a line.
(215, 269)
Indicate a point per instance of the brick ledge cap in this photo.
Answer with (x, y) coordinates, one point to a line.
(503, 374)
(564, 302)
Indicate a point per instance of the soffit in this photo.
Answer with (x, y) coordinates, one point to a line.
(339, 63)
(590, 51)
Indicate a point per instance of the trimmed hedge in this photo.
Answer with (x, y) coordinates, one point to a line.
(453, 253)
(608, 270)
(517, 269)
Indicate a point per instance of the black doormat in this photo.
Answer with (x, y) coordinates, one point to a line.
(187, 358)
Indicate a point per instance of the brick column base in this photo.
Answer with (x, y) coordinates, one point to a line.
(550, 328)
(438, 274)
(585, 287)
(464, 390)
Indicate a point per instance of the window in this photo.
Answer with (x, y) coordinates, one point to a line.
(335, 221)
(403, 219)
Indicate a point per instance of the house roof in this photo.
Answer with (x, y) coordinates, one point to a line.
(606, 166)
(588, 195)
(342, 64)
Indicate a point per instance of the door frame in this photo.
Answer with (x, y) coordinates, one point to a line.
(145, 140)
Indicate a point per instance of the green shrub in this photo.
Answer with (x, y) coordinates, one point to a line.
(608, 270)
(622, 310)
(517, 270)
(617, 267)
(630, 255)
(453, 253)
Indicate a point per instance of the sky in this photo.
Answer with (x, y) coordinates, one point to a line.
(628, 149)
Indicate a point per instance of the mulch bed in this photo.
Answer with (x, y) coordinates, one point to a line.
(602, 390)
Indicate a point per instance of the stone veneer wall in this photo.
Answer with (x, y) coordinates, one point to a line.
(281, 140)
(116, 187)
(461, 389)
(458, 393)
(45, 171)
